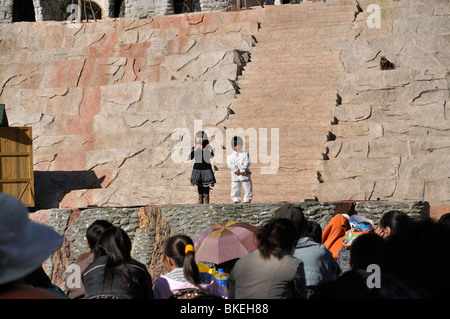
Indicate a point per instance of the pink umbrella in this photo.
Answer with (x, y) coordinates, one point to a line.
(225, 241)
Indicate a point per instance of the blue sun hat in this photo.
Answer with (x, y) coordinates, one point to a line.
(24, 244)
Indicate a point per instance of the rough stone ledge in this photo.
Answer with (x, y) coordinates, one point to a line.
(149, 227)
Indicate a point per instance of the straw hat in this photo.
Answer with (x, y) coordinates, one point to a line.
(24, 245)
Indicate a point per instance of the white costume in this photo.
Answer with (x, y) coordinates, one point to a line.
(240, 161)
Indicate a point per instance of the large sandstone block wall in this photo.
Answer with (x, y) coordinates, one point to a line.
(391, 137)
(108, 101)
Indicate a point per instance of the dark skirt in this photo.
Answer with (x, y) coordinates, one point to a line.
(204, 177)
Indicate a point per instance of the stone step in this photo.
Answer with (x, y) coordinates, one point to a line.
(304, 106)
(310, 30)
(265, 188)
(298, 100)
(289, 116)
(289, 130)
(309, 8)
(261, 195)
(270, 182)
(283, 70)
(321, 58)
(293, 86)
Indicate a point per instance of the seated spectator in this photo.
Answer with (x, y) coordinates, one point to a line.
(314, 231)
(39, 278)
(375, 282)
(391, 223)
(318, 261)
(179, 259)
(270, 272)
(359, 225)
(365, 250)
(83, 260)
(334, 232)
(24, 246)
(444, 220)
(419, 255)
(113, 273)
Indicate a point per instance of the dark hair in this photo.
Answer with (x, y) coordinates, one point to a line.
(445, 220)
(95, 230)
(395, 220)
(115, 243)
(418, 255)
(276, 237)
(202, 135)
(236, 140)
(38, 278)
(175, 249)
(314, 231)
(366, 249)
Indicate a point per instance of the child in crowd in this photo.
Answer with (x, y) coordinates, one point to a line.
(179, 259)
(239, 162)
(202, 173)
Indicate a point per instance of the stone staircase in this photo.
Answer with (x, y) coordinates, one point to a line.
(289, 85)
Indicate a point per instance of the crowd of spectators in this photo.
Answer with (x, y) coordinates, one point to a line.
(401, 258)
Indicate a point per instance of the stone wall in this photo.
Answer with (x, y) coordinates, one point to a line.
(144, 9)
(49, 10)
(108, 101)
(150, 226)
(147, 8)
(390, 138)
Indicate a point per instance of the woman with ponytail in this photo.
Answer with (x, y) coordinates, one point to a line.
(179, 259)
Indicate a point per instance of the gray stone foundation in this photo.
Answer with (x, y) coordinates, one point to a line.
(150, 226)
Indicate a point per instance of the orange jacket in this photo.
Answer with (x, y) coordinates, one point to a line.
(334, 233)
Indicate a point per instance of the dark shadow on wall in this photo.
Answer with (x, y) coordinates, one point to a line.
(119, 8)
(23, 10)
(51, 187)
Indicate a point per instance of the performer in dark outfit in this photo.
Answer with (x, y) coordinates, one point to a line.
(202, 173)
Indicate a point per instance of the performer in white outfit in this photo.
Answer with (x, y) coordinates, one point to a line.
(239, 162)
